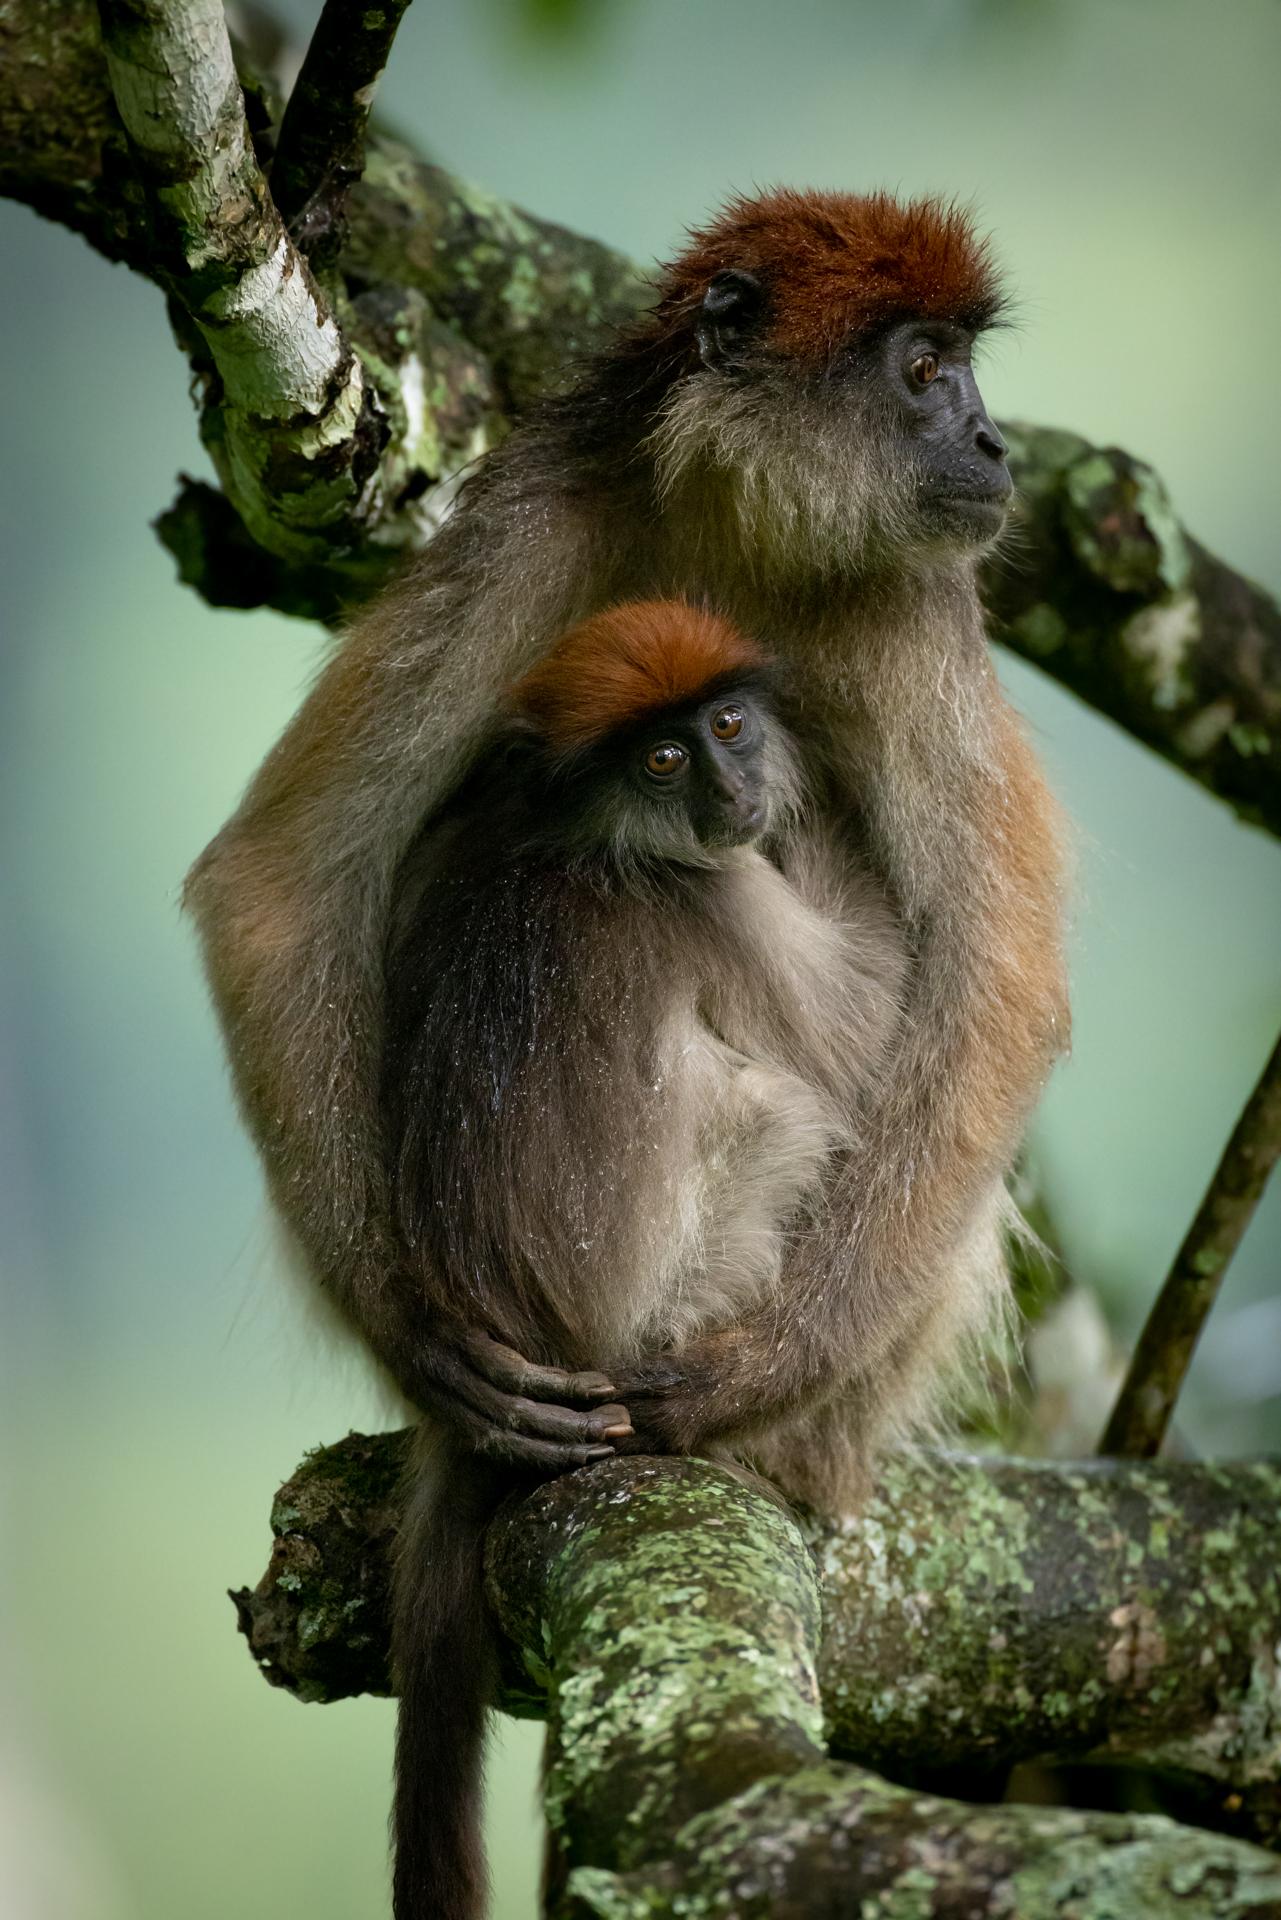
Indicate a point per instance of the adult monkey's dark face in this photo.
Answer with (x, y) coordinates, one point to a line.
(959, 458)
(902, 407)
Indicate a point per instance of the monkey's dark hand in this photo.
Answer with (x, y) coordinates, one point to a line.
(666, 1405)
(689, 1395)
(511, 1410)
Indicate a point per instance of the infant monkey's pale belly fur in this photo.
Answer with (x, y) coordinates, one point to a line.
(773, 1071)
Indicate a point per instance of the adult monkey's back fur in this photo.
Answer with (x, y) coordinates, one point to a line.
(794, 437)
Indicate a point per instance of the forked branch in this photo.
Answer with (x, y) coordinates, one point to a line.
(977, 1613)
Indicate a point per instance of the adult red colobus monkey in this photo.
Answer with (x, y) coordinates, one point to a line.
(623, 1048)
(793, 435)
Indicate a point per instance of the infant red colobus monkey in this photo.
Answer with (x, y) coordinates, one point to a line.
(633, 1010)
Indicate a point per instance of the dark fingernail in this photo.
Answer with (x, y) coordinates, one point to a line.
(619, 1433)
(601, 1388)
(599, 1453)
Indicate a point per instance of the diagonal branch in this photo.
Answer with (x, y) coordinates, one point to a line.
(320, 152)
(1166, 1345)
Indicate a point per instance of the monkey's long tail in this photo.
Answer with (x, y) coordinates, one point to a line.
(443, 1657)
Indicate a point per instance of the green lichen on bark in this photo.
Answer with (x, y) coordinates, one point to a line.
(673, 1611)
(530, 295)
(833, 1840)
(317, 1621)
(681, 1611)
(976, 1611)
(286, 416)
(998, 1610)
(664, 1615)
(1110, 595)
(63, 150)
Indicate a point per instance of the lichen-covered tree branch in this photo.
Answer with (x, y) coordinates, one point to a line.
(665, 1617)
(339, 416)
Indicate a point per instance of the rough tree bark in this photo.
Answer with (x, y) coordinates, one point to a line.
(350, 359)
(665, 1618)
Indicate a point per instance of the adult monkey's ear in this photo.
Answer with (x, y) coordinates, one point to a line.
(732, 305)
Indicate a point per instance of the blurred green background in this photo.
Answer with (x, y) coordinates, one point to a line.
(158, 1380)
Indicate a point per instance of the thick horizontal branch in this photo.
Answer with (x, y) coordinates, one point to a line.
(460, 309)
(833, 1839)
(985, 1612)
(978, 1613)
(666, 1617)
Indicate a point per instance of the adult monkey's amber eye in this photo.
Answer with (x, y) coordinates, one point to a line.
(924, 368)
(728, 723)
(666, 760)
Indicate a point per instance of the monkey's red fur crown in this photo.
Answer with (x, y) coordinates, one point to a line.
(627, 662)
(835, 265)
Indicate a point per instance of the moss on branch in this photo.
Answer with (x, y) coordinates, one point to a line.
(978, 1613)
(1109, 594)
(665, 1617)
(982, 1613)
(834, 1840)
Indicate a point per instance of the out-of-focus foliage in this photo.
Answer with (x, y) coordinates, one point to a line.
(557, 21)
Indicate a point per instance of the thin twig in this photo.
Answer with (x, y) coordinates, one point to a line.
(1161, 1358)
(321, 150)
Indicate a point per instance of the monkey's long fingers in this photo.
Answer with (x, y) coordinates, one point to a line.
(515, 1428)
(510, 1372)
(497, 1441)
(536, 1420)
(511, 1426)
(493, 1434)
(544, 1455)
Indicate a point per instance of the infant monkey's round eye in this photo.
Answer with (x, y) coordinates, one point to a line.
(924, 368)
(728, 723)
(666, 760)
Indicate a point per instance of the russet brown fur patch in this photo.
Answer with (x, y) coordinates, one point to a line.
(838, 264)
(626, 662)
